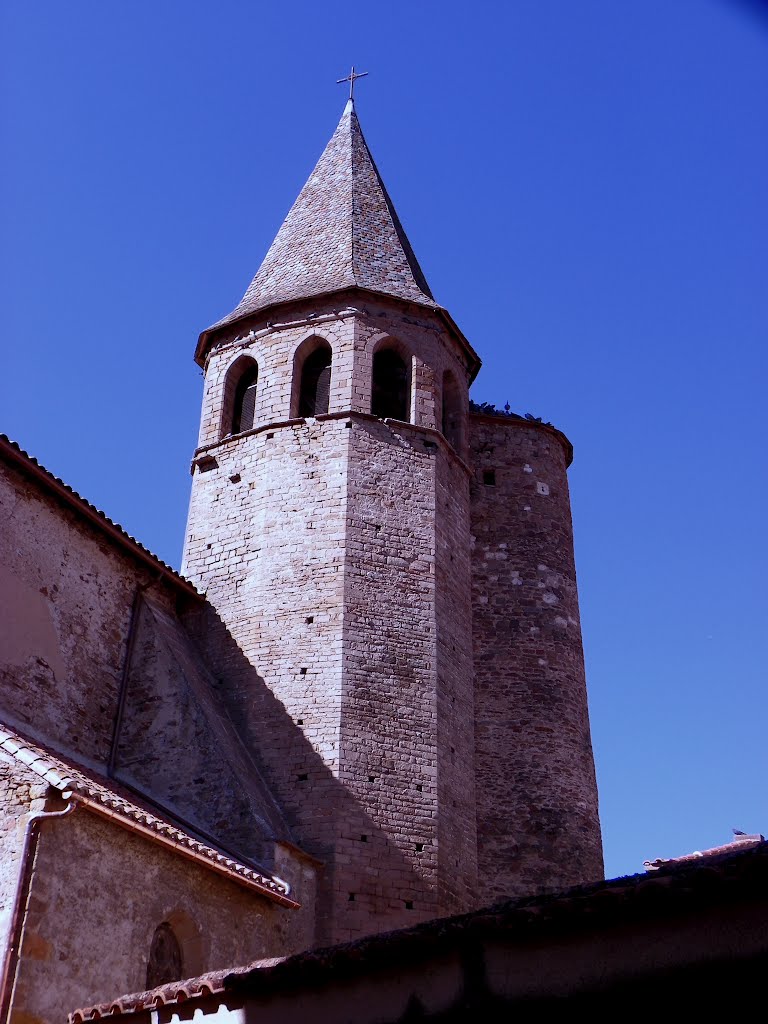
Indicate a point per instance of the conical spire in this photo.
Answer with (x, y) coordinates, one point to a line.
(342, 232)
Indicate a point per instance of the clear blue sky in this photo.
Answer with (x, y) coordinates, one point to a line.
(585, 187)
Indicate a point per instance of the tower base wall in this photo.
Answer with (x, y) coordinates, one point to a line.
(334, 552)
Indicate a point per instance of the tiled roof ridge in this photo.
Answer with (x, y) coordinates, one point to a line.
(77, 783)
(591, 904)
(209, 984)
(743, 842)
(95, 515)
(164, 995)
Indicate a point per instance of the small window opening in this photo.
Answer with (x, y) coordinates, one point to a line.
(351, 898)
(489, 477)
(244, 412)
(390, 396)
(165, 960)
(409, 904)
(419, 847)
(315, 391)
(303, 777)
(206, 463)
(363, 839)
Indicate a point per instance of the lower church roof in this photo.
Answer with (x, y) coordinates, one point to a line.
(105, 797)
(722, 880)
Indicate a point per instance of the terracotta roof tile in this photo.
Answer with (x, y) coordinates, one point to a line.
(88, 786)
(742, 842)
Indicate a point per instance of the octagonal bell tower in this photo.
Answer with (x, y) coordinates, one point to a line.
(329, 528)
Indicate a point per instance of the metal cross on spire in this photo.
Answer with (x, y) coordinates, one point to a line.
(351, 78)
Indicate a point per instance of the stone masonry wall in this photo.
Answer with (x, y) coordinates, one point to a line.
(65, 606)
(273, 344)
(21, 793)
(97, 895)
(406, 728)
(178, 745)
(315, 541)
(268, 550)
(457, 830)
(354, 324)
(66, 597)
(537, 817)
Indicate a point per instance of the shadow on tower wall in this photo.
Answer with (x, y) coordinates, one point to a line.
(366, 881)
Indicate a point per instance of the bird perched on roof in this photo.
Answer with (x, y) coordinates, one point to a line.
(738, 832)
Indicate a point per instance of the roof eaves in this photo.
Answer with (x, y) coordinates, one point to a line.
(746, 842)
(473, 359)
(602, 903)
(165, 995)
(28, 464)
(742, 875)
(102, 800)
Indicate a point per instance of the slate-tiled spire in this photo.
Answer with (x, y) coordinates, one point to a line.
(341, 232)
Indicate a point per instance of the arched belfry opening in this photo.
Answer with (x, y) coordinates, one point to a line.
(165, 962)
(391, 385)
(312, 367)
(240, 393)
(452, 418)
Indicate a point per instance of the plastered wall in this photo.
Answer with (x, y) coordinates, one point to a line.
(98, 892)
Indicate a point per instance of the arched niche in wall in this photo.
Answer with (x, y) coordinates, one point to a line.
(312, 369)
(238, 411)
(165, 962)
(391, 384)
(175, 951)
(452, 421)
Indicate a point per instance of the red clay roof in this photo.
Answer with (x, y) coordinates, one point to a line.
(741, 842)
(119, 804)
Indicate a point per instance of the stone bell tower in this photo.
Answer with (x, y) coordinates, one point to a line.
(330, 529)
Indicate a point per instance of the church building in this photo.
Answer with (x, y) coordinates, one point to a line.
(360, 705)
